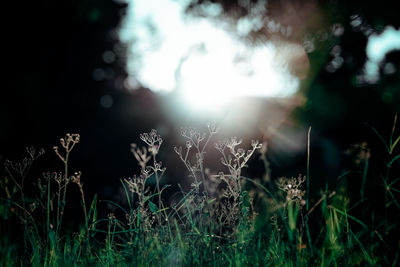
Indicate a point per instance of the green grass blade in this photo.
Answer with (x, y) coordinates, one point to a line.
(379, 135)
(126, 194)
(351, 217)
(393, 160)
(395, 143)
(367, 256)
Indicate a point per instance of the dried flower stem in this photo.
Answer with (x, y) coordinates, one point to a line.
(68, 143)
(76, 178)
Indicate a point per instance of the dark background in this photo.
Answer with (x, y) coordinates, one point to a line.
(51, 49)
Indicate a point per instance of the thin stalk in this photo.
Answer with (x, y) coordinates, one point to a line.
(48, 206)
(386, 199)
(61, 205)
(391, 135)
(157, 182)
(48, 218)
(201, 153)
(84, 207)
(308, 189)
(308, 167)
(58, 205)
(364, 177)
(203, 177)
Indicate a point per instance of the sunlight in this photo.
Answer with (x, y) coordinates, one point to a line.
(197, 58)
(377, 48)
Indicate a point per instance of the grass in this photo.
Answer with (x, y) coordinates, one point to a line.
(222, 219)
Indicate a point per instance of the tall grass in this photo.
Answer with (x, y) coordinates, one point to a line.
(221, 219)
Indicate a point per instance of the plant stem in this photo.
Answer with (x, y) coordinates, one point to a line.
(308, 189)
(157, 182)
(60, 214)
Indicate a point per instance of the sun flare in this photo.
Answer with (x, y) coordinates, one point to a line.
(198, 58)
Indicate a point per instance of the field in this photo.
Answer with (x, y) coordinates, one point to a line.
(200, 133)
(222, 219)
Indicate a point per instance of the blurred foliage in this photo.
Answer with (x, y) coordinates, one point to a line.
(336, 98)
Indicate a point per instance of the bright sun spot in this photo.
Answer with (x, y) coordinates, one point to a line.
(208, 66)
(377, 48)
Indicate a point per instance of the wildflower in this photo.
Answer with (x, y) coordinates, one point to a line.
(76, 178)
(292, 187)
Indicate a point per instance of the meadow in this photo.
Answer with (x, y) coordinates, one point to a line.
(221, 219)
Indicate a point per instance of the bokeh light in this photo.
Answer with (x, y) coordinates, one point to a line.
(201, 60)
(377, 48)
